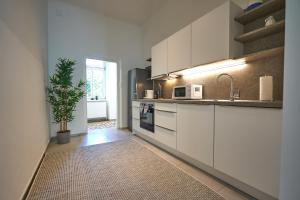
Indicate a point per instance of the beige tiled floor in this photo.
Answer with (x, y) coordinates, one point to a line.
(100, 136)
(95, 136)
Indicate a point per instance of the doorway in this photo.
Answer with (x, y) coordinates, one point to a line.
(101, 94)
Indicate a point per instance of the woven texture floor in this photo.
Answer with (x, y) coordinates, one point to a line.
(102, 124)
(119, 170)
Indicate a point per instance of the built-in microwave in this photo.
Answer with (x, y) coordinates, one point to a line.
(190, 91)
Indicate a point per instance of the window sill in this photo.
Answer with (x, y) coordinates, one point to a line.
(99, 100)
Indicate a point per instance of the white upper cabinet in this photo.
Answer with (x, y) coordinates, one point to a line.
(213, 35)
(195, 132)
(209, 39)
(159, 58)
(247, 145)
(179, 49)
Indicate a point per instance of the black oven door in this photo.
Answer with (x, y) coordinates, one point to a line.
(147, 116)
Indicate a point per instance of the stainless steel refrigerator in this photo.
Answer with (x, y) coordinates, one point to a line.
(138, 82)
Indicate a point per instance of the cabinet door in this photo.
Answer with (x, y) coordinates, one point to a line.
(179, 49)
(247, 145)
(136, 113)
(165, 119)
(165, 136)
(135, 125)
(210, 36)
(195, 131)
(159, 59)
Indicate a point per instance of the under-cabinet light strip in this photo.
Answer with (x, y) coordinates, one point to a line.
(211, 67)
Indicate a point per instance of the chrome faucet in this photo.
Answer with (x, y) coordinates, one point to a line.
(233, 94)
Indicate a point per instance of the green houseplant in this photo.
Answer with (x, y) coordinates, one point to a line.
(63, 96)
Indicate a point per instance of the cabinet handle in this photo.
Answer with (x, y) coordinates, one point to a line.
(165, 111)
(166, 128)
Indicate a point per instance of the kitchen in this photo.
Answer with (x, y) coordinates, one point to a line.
(216, 96)
(206, 97)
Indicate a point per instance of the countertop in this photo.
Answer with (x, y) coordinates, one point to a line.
(241, 103)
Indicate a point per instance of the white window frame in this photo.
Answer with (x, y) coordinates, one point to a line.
(104, 83)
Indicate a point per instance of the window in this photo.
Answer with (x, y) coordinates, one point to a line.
(95, 80)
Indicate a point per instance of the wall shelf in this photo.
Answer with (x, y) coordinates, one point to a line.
(262, 54)
(261, 32)
(266, 8)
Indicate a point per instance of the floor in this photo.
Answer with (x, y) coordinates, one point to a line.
(102, 124)
(99, 136)
(95, 136)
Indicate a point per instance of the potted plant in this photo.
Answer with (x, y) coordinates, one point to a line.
(63, 97)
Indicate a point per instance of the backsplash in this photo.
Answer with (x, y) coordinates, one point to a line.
(245, 79)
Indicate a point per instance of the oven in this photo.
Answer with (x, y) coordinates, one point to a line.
(147, 116)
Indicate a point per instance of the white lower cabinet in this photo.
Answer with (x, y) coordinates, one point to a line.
(135, 112)
(241, 142)
(165, 124)
(135, 124)
(165, 136)
(165, 119)
(168, 107)
(135, 116)
(195, 131)
(247, 145)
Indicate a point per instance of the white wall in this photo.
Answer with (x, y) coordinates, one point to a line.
(290, 161)
(23, 112)
(79, 34)
(174, 15)
(111, 89)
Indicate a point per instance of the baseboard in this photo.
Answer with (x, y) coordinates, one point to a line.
(34, 175)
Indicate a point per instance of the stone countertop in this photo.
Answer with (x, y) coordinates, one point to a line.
(241, 103)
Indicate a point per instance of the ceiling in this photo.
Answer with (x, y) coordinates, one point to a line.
(131, 11)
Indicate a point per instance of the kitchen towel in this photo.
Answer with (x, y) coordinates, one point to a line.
(266, 88)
